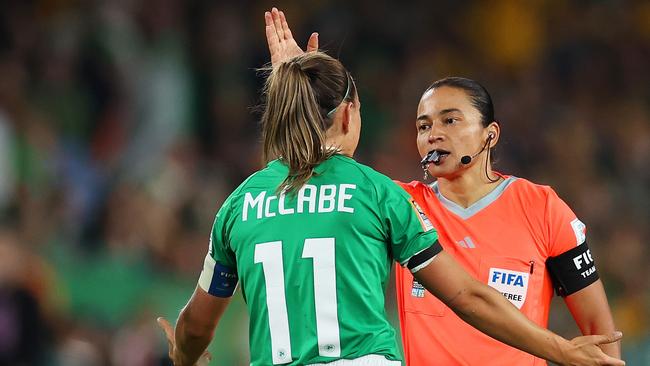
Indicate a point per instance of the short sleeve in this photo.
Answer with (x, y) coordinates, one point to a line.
(565, 230)
(409, 230)
(570, 262)
(219, 276)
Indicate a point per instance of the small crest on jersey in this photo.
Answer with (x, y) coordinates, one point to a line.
(424, 220)
(580, 229)
(417, 290)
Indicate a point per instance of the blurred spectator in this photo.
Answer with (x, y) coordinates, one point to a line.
(7, 179)
(24, 334)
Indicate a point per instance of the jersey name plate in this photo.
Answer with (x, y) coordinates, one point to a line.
(309, 199)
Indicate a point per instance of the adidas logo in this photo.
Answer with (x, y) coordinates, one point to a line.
(467, 243)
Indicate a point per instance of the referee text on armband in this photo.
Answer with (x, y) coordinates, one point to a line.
(310, 199)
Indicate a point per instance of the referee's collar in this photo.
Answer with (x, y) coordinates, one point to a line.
(476, 207)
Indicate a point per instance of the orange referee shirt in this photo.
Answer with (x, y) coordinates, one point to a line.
(503, 240)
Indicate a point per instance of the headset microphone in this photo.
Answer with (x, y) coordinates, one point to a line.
(466, 159)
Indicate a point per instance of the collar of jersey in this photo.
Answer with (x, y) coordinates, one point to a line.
(466, 213)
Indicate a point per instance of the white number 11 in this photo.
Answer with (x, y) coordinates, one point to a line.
(321, 250)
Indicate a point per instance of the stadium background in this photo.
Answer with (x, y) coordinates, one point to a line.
(124, 124)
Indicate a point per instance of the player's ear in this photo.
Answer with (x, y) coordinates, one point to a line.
(346, 117)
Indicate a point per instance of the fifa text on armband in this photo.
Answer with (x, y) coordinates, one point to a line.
(585, 259)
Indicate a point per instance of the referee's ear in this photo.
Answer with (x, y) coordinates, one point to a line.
(493, 133)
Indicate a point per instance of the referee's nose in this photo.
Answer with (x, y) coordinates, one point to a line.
(435, 134)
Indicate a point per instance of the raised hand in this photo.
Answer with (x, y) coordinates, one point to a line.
(282, 46)
(205, 358)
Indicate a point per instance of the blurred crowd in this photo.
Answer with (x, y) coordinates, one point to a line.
(124, 124)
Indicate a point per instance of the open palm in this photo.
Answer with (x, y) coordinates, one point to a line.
(281, 44)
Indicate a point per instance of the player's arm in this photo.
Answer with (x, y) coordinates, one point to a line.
(217, 283)
(487, 310)
(196, 324)
(194, 328)
(199, 318)
(591, 312)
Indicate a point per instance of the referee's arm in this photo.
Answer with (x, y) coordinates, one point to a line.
(592, 314)
(487, 310)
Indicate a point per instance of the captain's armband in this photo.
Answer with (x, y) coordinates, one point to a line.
(218, 279)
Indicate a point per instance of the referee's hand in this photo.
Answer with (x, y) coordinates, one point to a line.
(282, 45)
(587, 351)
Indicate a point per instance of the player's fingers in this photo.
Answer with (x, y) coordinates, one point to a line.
(167, 328)
(207, 355)
(278, 23)
(285, 26)
(205, 359)
(312, 44)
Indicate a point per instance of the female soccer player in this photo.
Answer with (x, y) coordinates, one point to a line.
(516, 236)
(311, 238)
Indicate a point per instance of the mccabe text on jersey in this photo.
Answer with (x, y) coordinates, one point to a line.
(309, 199)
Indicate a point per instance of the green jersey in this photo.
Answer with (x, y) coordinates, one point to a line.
(313, 264)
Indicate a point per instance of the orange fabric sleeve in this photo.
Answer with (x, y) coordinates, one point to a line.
(565, 231)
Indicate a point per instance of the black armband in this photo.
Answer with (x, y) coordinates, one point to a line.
(422, 259)
(572, 270)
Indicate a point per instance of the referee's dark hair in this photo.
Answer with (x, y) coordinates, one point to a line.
(478, 95)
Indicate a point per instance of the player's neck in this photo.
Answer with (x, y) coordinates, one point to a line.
(469, 187)
(339, 144)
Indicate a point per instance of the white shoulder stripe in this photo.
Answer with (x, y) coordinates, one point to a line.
(208, 272)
